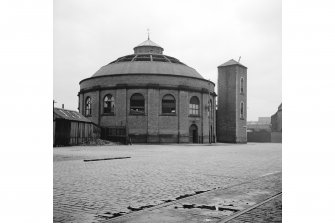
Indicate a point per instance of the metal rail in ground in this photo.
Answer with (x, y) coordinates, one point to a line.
(248, 209)
(132, 214)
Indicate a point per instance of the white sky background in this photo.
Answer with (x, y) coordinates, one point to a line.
(202, 34)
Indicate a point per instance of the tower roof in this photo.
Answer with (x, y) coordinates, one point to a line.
(231, 62)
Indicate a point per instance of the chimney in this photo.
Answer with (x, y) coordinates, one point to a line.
(62, 106)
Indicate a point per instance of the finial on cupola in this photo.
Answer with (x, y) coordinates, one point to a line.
(148, 30)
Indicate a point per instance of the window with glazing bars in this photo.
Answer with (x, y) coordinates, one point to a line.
(88, 109)
(194, 106)
(109, 104)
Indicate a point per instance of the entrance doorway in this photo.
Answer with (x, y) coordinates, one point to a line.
(193, 134)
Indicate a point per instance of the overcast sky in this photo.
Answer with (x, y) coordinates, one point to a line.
(203, 34)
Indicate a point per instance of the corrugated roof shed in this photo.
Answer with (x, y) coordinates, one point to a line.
(69, 115)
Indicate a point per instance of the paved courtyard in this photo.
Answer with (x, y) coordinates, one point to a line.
(86, 191)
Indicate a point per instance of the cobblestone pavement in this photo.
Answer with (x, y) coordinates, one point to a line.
(218, 205)
(86, 191)
(271, 211)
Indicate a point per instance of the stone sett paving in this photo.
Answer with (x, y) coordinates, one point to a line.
(270, 211)
(154, 173)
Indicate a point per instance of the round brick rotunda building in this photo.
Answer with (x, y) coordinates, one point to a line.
(150, 97)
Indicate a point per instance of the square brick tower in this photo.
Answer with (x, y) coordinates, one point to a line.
(232, 103)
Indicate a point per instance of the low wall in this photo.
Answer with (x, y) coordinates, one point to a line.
(259, 137)
(276, 136)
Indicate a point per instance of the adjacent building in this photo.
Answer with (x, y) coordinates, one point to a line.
(259, 131)
(276, 122)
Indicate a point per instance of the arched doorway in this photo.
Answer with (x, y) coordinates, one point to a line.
(193, 134)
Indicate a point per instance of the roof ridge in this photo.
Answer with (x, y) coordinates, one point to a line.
(66, 109)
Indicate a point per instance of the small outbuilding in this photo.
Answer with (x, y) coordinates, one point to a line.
(72, 128)
(276, 121)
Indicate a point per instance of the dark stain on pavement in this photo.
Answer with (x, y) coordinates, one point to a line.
(188, 195)
(208, 207)
(109, 215)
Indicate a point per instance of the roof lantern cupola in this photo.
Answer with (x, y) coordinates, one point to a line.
(148, 47)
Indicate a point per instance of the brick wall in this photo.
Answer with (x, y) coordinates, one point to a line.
(153, 126)
(241, 126)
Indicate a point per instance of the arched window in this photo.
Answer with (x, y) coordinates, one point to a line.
(168, 104)
(194, 106)
(242, 85)
(109, 104)
(242, 110)
(210, 109)
(137, 104)
(88, 108)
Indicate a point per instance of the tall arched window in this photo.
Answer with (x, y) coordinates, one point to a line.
(242, 110)
(168, 104)
(210, 109)
(137, 104)
(242, 85)
(194, 106)
(109, 104)
(88, 108)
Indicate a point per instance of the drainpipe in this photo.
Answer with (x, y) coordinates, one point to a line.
(178, 116)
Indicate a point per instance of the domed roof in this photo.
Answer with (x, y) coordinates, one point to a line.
(147, 64)
(147, 59)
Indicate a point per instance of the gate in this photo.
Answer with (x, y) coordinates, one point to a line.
(114, 134)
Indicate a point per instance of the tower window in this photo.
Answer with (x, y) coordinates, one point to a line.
(88, 108)
(242, 110)
(137, 104)
(109, 104)
(242, 85)
(194, 106)
(168, 104)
